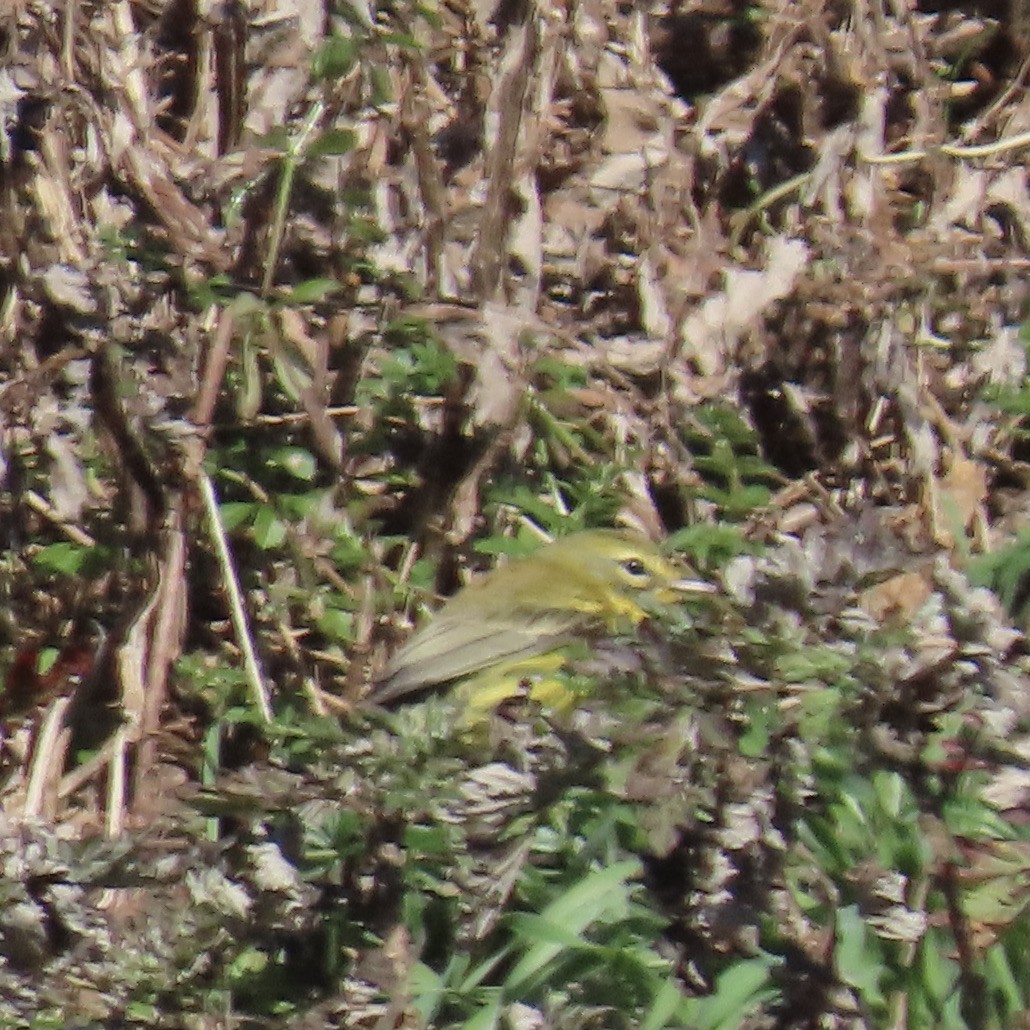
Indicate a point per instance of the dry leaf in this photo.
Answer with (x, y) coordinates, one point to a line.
(900, 596)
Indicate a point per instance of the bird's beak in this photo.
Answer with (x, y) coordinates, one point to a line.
(693, 586)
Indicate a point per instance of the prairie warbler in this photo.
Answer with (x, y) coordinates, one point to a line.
(503, 633)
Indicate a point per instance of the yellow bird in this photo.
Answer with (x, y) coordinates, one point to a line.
(502, 634)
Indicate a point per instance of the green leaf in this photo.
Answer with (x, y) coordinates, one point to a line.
(248, 399)
(310, 291)
(939, 973)
(529, 926)
(337, 624)
(665, 1005)
(47, 659)
(236, 513)
(710, 544)
(488, 1016)
(1010, 985)
(427, 991)
(858, 959)
(70, 559)
(334, 58)
(762, 723)
(268, 529)
(600, 893)
(333, 143)
(277, 138)
(739, 991)
(382, 86)
(427, 840)
(298, 462)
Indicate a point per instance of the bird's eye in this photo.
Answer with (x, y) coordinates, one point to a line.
(635, 567)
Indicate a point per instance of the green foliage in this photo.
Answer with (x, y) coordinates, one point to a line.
(1014, 398)
(71, 559)
(569, 864)
(578, 931)
(417, 365)
(736, 478)
(710, 545)
(1005, 570)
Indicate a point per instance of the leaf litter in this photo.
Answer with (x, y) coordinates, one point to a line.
(813, 215)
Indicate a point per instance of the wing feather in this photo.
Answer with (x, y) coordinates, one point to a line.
(455, 645)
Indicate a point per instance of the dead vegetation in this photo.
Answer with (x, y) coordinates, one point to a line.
(296, 294)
